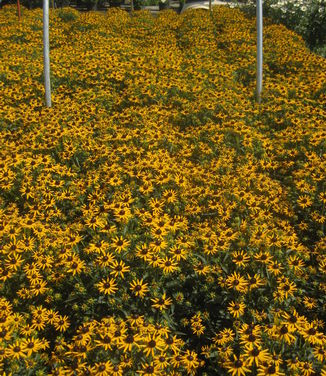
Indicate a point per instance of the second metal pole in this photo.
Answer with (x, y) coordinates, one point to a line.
(259, 17)
(46, 53)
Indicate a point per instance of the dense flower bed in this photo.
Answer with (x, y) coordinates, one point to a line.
(156, 220)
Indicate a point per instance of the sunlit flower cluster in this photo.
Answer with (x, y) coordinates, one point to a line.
(156, 220)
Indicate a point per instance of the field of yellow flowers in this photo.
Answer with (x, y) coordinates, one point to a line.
(156, 220)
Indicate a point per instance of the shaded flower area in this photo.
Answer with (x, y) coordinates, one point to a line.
(156, 220)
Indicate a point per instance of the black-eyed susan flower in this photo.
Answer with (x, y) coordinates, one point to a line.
(105, 259)
(152, 344)
(107, 286)
(201, 269)
(104, 341)
(237, 366)
(237, 282)
(275, 268)
(103, 368)
(240, 258)
(190, 360)
(17, 350)
(156, 205)
(287, 289)
(31, 345)
(120, 244)
(319, 353)
(76, 266)
(178, 253)
(168, 265)
(13, 261)
(270, 369)
(38, 323)
(117, 369)
(296, 262)
(311, 334)
(161, 303)
(284, 333)
(122, 214)
(255, 281)
(161, 360)
(61, 323)
(236, 309)
(293, 363)
(149, 369)
(256, 355)
(128, 341)
(172, 342)
(119, 269)
(304, 201)
(251, 339)
(170, 196)
(263, 257)
(38, 287)
(139, 287)
(294, 320)
(309, 302)
(306, 368)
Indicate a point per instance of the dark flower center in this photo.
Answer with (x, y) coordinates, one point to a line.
(238, 363)
(312, 331)
(130, 339)
(251, 338)
(151, 343)
(271, 370)
(283, 330)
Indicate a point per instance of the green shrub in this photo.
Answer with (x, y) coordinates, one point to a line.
(307, 18)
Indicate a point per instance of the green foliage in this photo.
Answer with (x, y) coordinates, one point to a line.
(67, 16)
(149, 2)
(308, 18)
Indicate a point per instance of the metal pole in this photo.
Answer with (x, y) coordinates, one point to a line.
(259, 49)
(18, 10)
(46, 53)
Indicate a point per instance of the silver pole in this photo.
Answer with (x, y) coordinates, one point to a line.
(46, 53)
(259, 17)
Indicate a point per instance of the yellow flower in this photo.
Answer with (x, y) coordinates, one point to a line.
(236, 309)
(238, 366)
(61, 323)
(103, 368)
(237, 282)
(119, 269)
(128, 341)
(120, 244)
(107, 286)
(270, 369)
(152, 344)
(17, 350)
(161, 303)
(168, 265)
(139, 288)
(240, 258)
(256, 355)
(76, 266)
(304, 201)
(31, 345)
